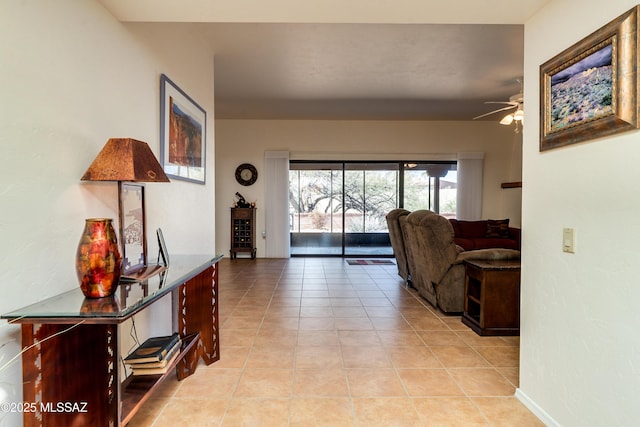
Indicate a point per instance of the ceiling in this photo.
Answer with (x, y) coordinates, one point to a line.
(421, 66)
(364, 71)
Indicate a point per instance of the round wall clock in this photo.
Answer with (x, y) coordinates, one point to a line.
(246, 174)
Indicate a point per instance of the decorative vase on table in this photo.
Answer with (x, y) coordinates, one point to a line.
(98, 258)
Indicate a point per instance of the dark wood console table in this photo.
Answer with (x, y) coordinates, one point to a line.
(492, 297)
(75, 378)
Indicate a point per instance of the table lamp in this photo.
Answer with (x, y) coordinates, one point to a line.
(123, 159)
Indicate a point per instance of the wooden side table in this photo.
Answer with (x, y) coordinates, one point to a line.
(492, 297)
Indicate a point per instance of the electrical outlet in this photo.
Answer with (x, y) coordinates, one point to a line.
(568, 240)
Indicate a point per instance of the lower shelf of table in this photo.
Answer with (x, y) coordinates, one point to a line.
(136, 389)
(473, 321)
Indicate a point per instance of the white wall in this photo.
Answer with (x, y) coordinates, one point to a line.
(72, 77)
(580, 347)
(245, 141)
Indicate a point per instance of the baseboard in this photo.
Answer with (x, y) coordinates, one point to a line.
(537, 410)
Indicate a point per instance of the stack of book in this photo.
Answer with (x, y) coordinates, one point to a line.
(155, 355)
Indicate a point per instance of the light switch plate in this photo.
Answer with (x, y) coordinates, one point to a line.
(568, 240)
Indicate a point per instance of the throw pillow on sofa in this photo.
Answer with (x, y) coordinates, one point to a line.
(498, 228)
(469, 229)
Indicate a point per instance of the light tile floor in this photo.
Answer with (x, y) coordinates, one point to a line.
(317, 342)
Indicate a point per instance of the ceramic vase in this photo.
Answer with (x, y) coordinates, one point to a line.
(98, 258)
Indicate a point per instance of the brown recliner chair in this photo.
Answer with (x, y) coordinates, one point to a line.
(436, 262)
(397, 241)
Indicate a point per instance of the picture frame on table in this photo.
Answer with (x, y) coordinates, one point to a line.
(163, 253)
(590, 89)
(182, 134)
(132, 226)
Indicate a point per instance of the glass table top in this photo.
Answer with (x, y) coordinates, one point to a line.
(129, 297)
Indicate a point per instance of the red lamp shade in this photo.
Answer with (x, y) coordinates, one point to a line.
(125, 159)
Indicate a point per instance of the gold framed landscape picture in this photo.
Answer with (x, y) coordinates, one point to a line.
(590, 89)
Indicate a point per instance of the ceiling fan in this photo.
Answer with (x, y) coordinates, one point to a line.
(515, 101)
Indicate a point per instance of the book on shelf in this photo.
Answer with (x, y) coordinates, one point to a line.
(154, 349)
(161, 364)
(142, 369)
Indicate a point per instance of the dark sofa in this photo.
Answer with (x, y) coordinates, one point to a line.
(430, 260)
(485, 234)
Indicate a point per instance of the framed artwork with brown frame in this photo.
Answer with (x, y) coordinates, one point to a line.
(182, 134)
(132, 226)
(590, 89)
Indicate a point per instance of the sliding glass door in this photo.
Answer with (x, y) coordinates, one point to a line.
(371, 191)
(315, 208)
(339, 208)
(430, 186)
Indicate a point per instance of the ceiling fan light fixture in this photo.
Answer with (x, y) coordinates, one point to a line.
(507, 120)
(518, 115)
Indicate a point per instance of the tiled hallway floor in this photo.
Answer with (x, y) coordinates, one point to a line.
(317, 342)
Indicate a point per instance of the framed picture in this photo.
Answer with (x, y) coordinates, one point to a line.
(163, 254)
(132, 226)
(590, 90)
(182, 134)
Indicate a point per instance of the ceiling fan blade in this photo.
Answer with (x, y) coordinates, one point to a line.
(496, 111)
(513, 103)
